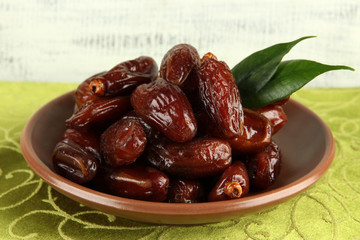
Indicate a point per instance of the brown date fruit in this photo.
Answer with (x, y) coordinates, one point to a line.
(233, 183)
(178, 63)
(185, 191)
(87, 140)
(264, 166)
(198, 158)
(83, 92)
(208, 55)
(124, 77)
(74, 162)
(220, 97)
(276, 115)
(151, 133)
(99, 113)
(134, 181)
(256, 134)
(165, 107)
(123, 142)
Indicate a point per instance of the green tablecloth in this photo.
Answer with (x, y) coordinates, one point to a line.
(30, 209)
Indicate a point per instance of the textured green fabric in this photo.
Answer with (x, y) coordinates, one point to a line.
(30, 209)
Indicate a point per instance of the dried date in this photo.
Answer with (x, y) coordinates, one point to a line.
(178, 63)
(124, 77)
(198, 158)
(256, 134)
(165, 107)
(134, 181)
(276, 115)
(264, 166)
(99, 113)
(208, 55)
(233, 183)
(83, 93)
(87, 140)
(151, 133)
(220, 97)
(185, 191)
(74, 162)
(123, 142)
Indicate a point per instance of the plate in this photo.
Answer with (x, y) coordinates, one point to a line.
(306, 143)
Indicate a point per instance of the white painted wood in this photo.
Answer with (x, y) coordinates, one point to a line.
(66, 40)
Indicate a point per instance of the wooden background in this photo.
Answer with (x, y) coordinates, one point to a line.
(66, 40)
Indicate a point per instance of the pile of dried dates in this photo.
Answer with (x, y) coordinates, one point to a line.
(174, 134)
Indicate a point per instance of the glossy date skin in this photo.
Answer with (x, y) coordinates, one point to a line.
(150, 132)
(220, 97)
(264, 166)
(83, 92)
(256, 135)
(169, 135)
(99, 113)
(124, 77)
(135, 181)
(178, 63)
(233, 183)
(276, 115)
(74, 162)
(201, 157)
(123, 142)
(165, 107)
(208, 55)
(185, 191)
(87, 140)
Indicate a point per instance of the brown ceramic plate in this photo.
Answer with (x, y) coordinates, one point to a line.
(307, 147)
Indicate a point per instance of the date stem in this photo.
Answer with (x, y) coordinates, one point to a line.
(233, 189)
(208, 55)
(97, 86)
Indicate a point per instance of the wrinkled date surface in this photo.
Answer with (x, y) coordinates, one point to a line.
(178, 63)
(164, 106)
(151, 132)
(83, 92)
(201, 157)
(220, 97)
(177, 134)
(233, 183)
(264, 166)
(87, 140)
(74, 162)
(276, 115)
(137, 182)
(99, 113)
(123, 142)
(124, 77)
(256, 134)
(185, 191)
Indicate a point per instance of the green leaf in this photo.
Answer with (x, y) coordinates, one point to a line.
(289, 77)
(252, 73)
